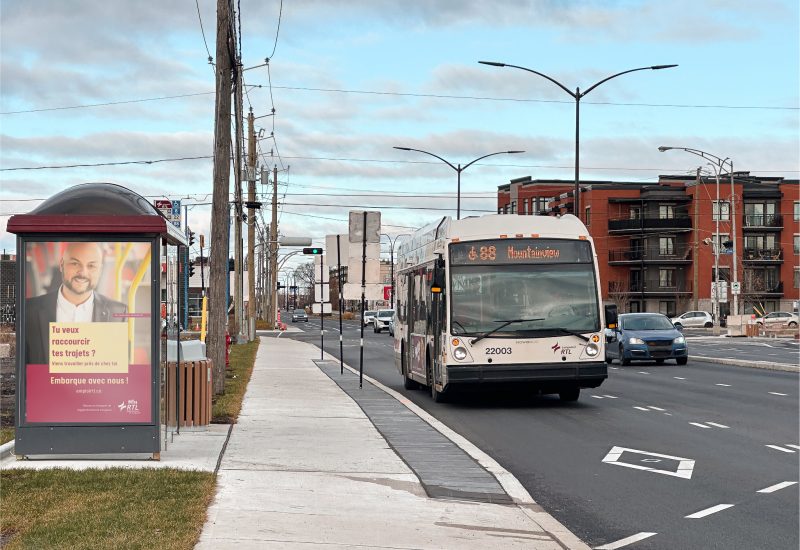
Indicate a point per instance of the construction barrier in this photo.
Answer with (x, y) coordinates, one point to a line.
(193, 380)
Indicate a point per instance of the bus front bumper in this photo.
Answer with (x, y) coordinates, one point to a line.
(586, 374)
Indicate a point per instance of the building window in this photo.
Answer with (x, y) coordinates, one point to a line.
(797, 244)
(636, 212)
(724, 274)
(588, 216)
(797, 277)
(666, 246)
(796, 211)
(499, 209)
(666, 278)
(513, 207)
(719, 238)
(666, 211)
(721, 210)
(667, 307)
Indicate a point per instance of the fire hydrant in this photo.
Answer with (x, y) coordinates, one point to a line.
(228, 341)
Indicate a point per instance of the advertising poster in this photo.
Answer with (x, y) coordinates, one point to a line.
(87, 339)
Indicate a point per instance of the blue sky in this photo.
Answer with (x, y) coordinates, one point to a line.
(734, 94)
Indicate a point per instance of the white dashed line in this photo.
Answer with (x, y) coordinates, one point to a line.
(709, 511)
(777, 448)
(718, 425)
(678, 378)
(700, 425)
(781, 394)
(794, 446)
(611, 396)
(777, 487)
(645, 409)
(598, 396)
(625, 542)
(655, 408)
(723, 385)
(642, 372)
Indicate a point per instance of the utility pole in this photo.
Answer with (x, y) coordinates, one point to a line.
(238, 325)
(273, 248)
(696, 258)
(217, 319)
(251, 229)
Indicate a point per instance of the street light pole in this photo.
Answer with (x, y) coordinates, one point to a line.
(458, 169)
(577, 95)
(720, 163)
(391, 257)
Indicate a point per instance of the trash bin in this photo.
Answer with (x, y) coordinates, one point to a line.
(190, 384)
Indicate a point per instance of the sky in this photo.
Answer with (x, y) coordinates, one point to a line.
(108, 82)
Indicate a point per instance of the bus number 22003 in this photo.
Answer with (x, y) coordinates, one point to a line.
(498, 351)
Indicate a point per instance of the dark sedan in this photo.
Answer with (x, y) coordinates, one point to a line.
(299, 315)
(645, 337)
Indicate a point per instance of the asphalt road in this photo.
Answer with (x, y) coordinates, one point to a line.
(677, 457)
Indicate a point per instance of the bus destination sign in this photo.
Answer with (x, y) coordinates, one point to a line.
(520, 251)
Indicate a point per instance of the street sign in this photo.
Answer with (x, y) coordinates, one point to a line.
(719, 291)
(736, 287)
(326, 308)
(294, 241)
(352, 291)
(322, 292)
(373, 228)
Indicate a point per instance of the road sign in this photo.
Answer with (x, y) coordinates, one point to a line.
(325, 308)
(294, 241)
(373, 228)
(352, 291)
(736, 287)
(322, 292)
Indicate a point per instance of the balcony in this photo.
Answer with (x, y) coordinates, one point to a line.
(759, 289)
(679, 255)
(763, 255)
(639, 224)
(652, 287)
(763, 221)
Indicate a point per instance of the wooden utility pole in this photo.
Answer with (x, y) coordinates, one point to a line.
(218, 314)
(273, 249)
(252, 300)
(238, 324)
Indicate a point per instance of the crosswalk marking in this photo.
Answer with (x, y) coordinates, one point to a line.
(709, 511)
(777, 448)
(625, 542)
(777, 487)
(778, 393)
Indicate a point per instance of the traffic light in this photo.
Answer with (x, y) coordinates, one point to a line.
(231, 265)
(313, 250)
(191, 269)
(280, 286)
(191, 237)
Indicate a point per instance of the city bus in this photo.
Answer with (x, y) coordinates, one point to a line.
(500, 299)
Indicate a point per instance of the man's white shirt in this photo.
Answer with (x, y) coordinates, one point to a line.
(66, 312)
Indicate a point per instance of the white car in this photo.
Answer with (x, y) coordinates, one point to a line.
(367, 317)
(381, 320)
(778, 318)
(694, 319)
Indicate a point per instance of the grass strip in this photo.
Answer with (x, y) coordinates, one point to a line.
(226, 407)
(110, 508)
(6, 435)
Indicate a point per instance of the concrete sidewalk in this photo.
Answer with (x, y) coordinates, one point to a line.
(305, 468)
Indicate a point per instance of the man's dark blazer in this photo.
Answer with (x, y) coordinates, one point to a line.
(41, 311)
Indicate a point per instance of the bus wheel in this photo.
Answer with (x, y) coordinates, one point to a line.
(436, 395)
(569, 394)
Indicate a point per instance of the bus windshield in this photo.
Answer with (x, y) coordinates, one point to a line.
(545, 299)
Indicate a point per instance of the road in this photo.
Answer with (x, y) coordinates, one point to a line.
(677, 457)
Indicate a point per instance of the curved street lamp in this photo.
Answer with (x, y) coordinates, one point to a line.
(577, 95)
(459, 169)
(720, 164)
(393, 242)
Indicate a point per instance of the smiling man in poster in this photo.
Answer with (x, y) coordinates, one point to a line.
(75, 301)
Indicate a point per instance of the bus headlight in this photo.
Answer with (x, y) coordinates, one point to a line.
(592, 350)
(636, 341)
(460, 353)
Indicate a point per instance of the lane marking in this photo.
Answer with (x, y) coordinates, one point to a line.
(777, 487)
(678, 378)
(614, 368)
(625, 542)
(777, 393)
(642, 372)
(645, 409)
(611, 396)
(700, 425)
(723, 385)
(794, 446)
(709, 511)
(723, 426)
(684, 469)
(655, 408)
(598, 396)
(779, 448)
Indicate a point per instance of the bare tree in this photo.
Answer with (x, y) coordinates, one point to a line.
(304, 274)
(619, 293)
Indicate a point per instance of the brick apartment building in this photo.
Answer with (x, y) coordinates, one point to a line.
(655, 242)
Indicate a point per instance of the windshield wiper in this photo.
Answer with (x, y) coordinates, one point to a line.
(504, 325)
(563, 331)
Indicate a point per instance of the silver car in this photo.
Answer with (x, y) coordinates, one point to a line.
(777, 318)
(381, 320)
(694, 319)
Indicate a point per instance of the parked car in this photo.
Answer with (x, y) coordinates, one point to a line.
(778, 318)
(391, 326)
(381, 320)
(645, 337)
(694, 319)
(299, 315)
(367, 317)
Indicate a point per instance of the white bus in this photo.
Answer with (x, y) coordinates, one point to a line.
(501, 298)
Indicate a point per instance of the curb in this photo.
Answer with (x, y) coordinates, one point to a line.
(765, 365)
(7, 449)
(508, 482)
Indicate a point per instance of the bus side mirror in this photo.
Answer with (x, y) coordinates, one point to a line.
(437, 285)
(611, 316)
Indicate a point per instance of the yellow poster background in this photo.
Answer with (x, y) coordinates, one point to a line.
(88, 347)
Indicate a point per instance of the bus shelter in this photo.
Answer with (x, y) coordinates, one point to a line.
(88, 324)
